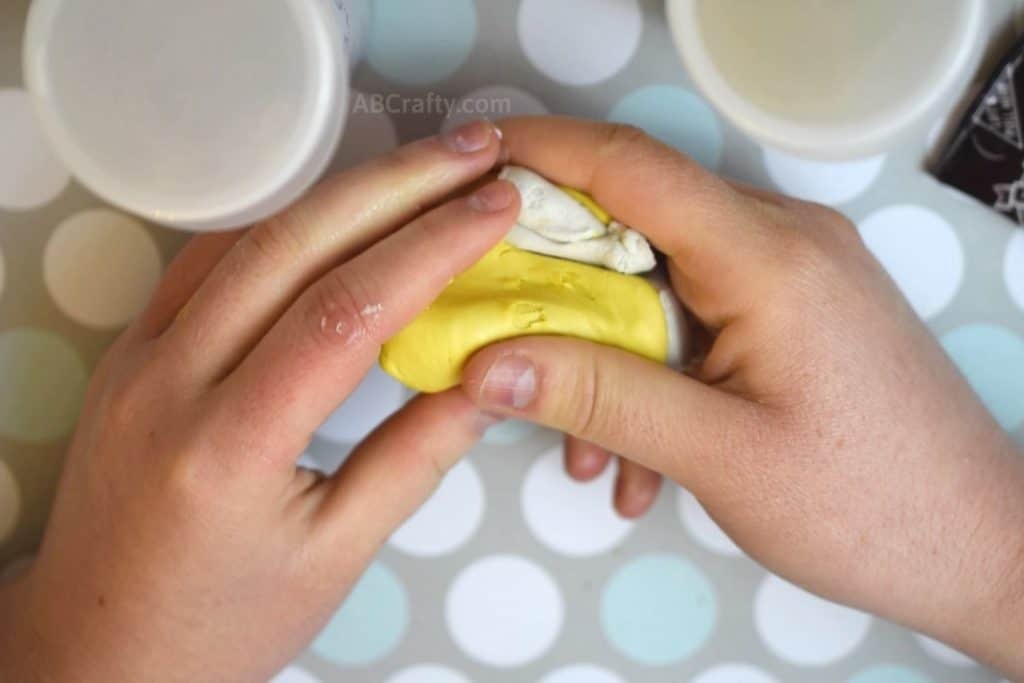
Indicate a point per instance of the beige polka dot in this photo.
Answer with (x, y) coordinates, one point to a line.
(101, 267)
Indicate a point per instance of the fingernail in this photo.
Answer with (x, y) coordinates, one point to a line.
(470, 137)
(492, 198)
(485, 421)
(510, 383)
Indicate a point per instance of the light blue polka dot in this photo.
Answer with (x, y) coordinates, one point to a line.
(43, 381)
(677, 117)
(509, 432)
(890, 674)
(370, 624)
(992, 359)
(421, 41)
(658, 609)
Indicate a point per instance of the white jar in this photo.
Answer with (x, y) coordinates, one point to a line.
(829, 79)
(195, 114)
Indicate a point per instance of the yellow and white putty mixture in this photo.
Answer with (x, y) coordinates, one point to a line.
(567, 268)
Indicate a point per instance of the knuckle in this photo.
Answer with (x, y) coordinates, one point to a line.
(586, 415)
(126, 398)
(340, 309)
(624, 136)
(279, 237)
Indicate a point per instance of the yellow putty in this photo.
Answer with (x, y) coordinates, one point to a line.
(513, 293)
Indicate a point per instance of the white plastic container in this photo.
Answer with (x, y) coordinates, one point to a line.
(829, 79)
(195, 114)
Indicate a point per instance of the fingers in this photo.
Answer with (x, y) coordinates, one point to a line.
(644, 411)
(715, 234)
(395, 471)
(275, 261)
(584, 461)
(320, 349)
(636, 489)
(187, 272)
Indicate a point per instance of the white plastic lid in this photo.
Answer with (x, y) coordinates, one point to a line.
(194, 114)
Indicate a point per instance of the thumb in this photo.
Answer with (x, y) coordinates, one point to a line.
(627, 404)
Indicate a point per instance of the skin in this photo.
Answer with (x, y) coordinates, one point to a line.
(184, 544)
(824, 429)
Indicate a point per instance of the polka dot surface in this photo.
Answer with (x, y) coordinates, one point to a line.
(448, 520)
(10, 502)
(294, 674)
(579, 42)
(735, 673)
(30, 174)
(677, 117)
(493, 102)
(369, 132)
(943, 653)
(370, 623)
(421, 41)
(44, 381)
(922, 253)
(572, 518)
(992, 360)
(582, 673)
(510, 570)
(704, 529)
(830, 183)
(101, 267)
(802, 628)
(890, 674)
(529, 603)
(658, 609)
(428, 673)
(374, 400)
(1013, 268)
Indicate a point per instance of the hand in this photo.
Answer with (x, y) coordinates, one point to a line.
(825, 430)
(185, 545)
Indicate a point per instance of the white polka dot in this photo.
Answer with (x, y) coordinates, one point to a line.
(582, 673)
(448, 519)
(30, 174)
(804, 629)
(428, 673)
(702, 527)
(101, 267)
(493, 102)
(734, 673)
(293, 674)
(1013, 268)
(10, 502)
(822, 181)
(580, 42)
(17, 568)
(374, 400)
(523, 596)
(369, 132)
(922, 253)
(943, 653)
(572, 518)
